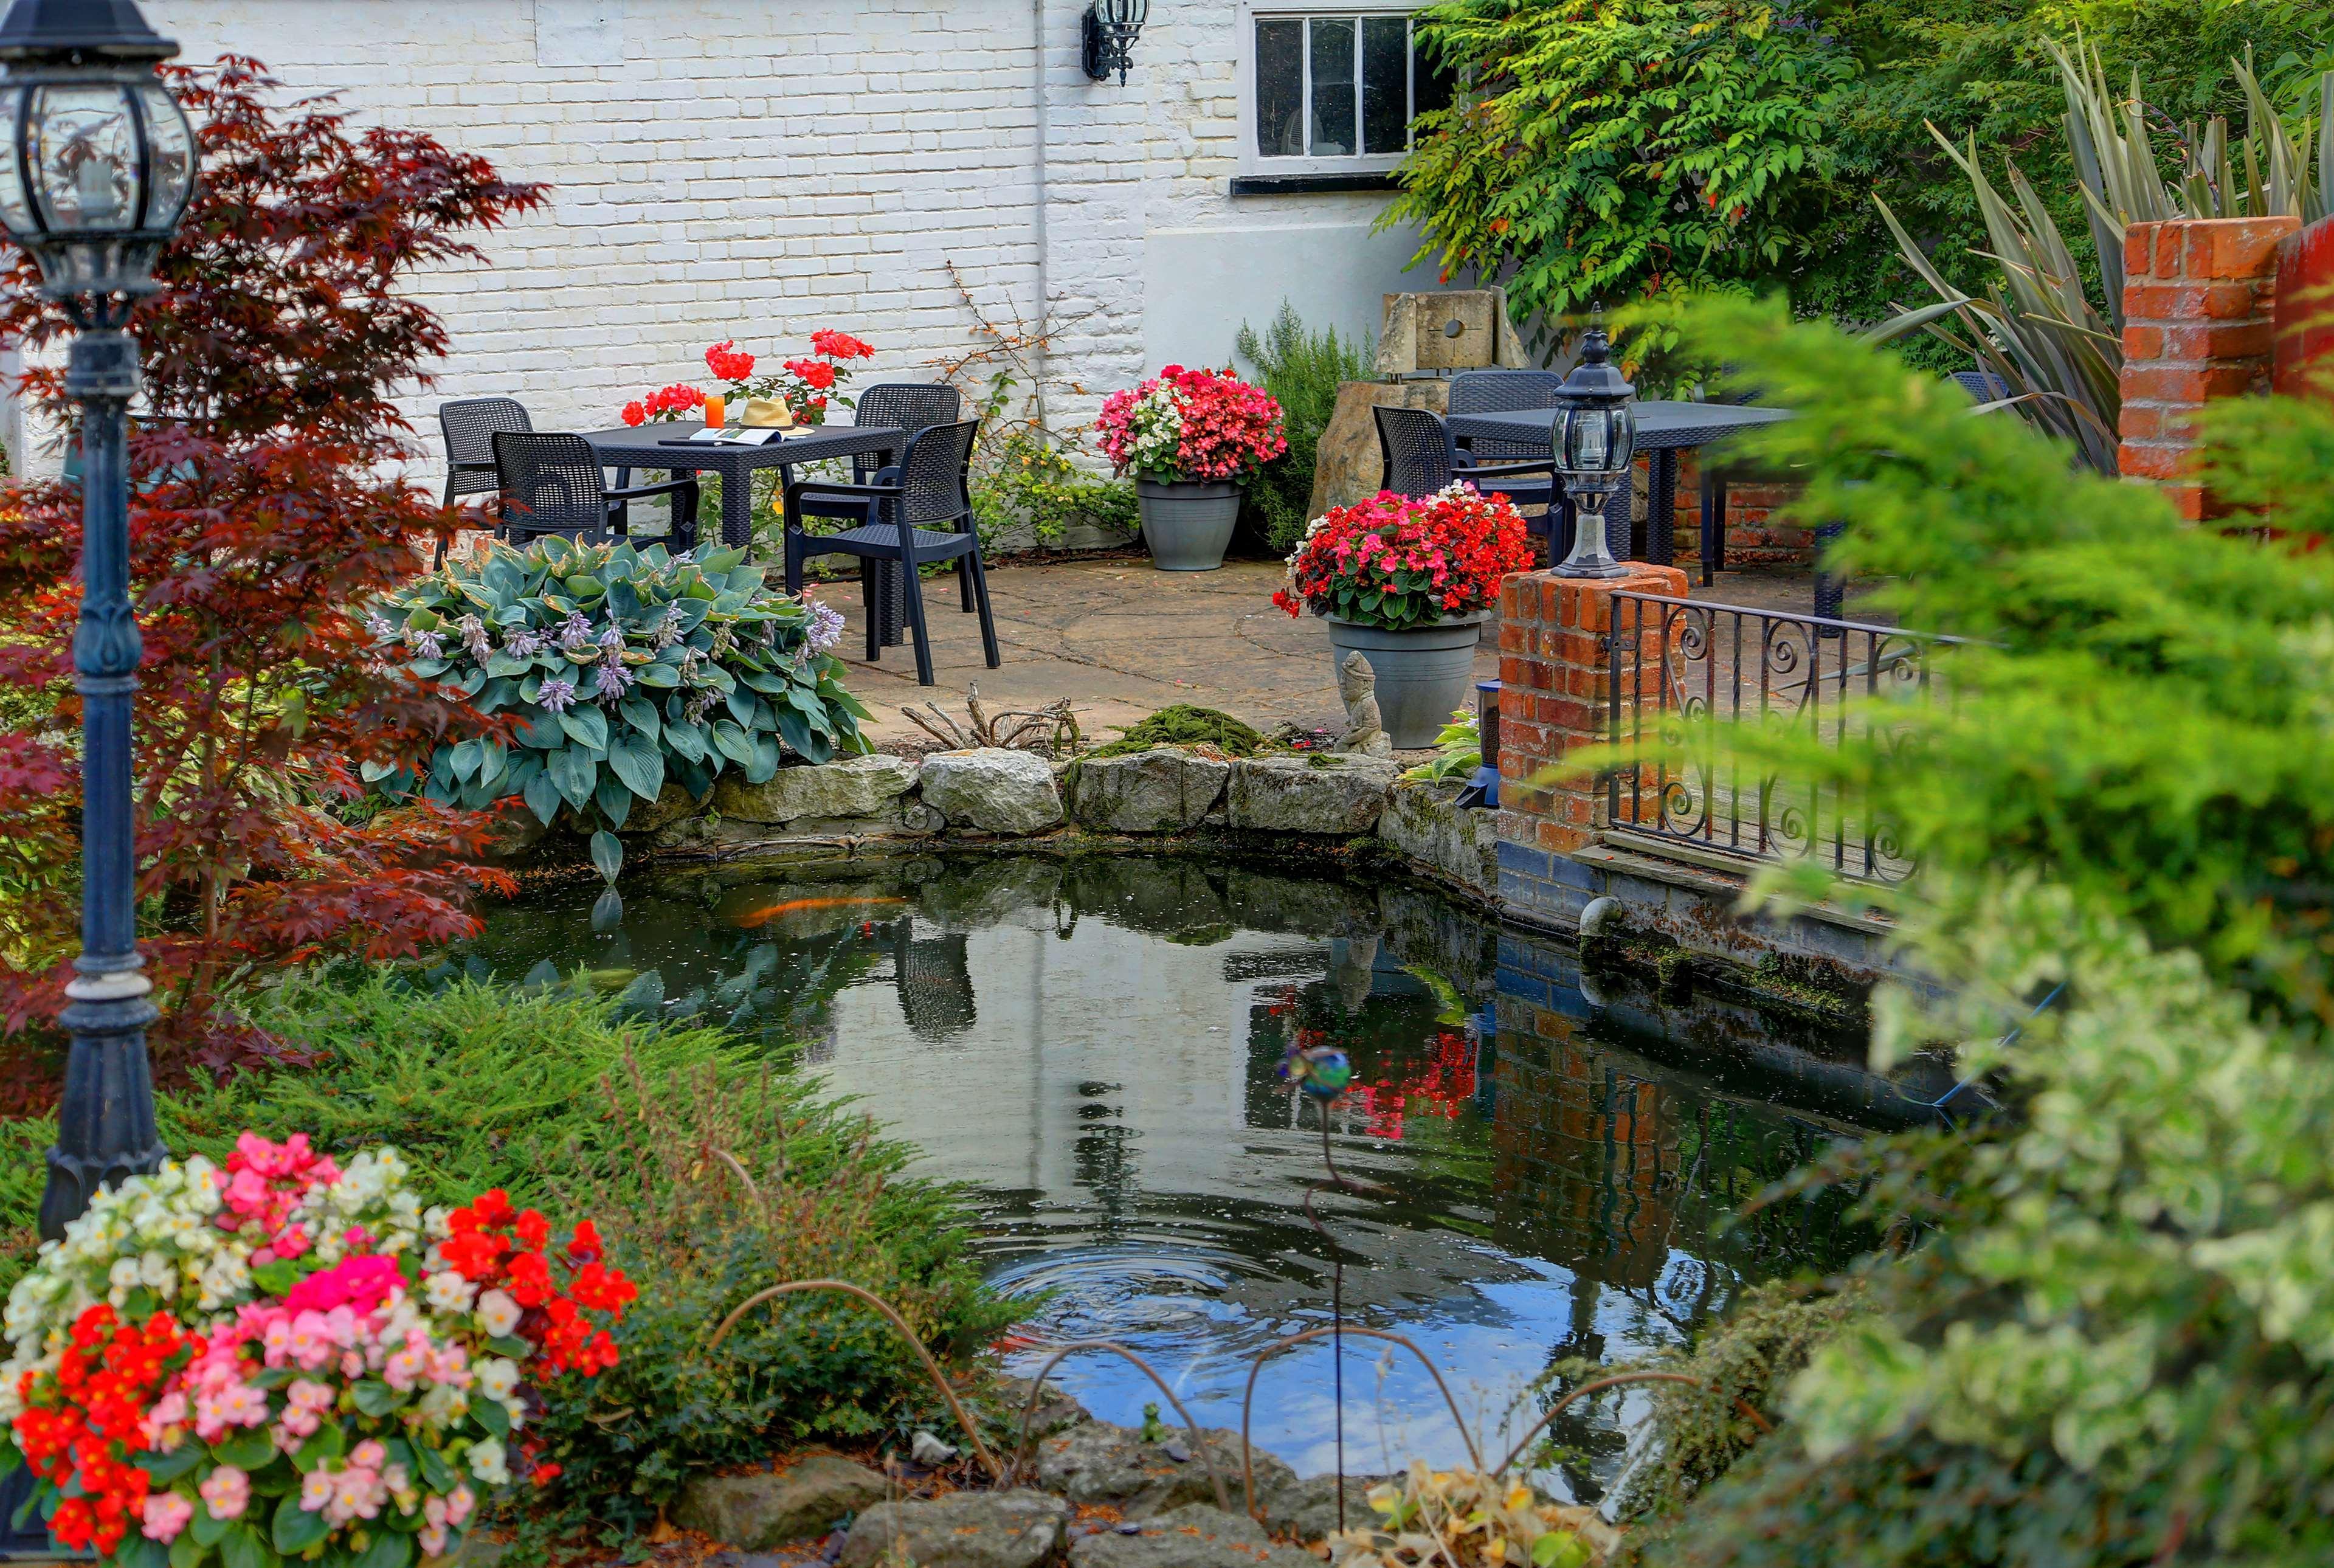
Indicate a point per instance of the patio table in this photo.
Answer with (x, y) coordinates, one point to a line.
(638, 447)
(1663, 431)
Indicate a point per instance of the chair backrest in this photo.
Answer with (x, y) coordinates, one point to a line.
(470, 426)
(1983, 386)
(1417, 447)
(1505, 392)
(934, 470)
(913, 406)
(550, 483)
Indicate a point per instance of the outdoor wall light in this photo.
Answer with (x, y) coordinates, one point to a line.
(97, 171)
(1592, 436)
(1111, 28)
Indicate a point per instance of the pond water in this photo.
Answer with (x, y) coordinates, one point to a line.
(1092, 1047)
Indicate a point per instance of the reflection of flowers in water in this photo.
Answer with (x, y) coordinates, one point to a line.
(1439, 1087)
(1382, 1101)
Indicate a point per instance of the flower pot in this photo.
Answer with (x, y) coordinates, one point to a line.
(1423, 672)
(1186, 526)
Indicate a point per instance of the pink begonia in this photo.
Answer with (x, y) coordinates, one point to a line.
(361, 1282)
(227, 1491)
(409, 1364)
(167, 1513)
(235, 1404)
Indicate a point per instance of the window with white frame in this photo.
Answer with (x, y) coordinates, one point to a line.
(1332, 90)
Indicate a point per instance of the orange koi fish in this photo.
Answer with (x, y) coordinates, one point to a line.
(755, 919)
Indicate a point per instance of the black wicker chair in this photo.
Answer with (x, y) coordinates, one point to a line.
(553, 484)
(911, 405)
(1421, 459)
(1983, 386)
(922, 514)
(470, 426)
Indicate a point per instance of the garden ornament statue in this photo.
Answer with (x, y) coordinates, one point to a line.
(1357, 685)
(1594, 437)
(99, 166)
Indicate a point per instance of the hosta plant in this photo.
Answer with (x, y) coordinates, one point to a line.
(287, 1359)
(620, 670)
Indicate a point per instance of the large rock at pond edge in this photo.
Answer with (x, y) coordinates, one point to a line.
(1095, 1462)
(1316, 794)
(1054, 1412)
(1420, 823)
(1195, 1536)
(858, 786)
(963, 1530)
(1162, 791)
(770, 1508)
(672, 804)
(1307, 1509)
(993, 790)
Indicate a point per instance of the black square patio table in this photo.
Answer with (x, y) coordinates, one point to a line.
(1663, 431)
(641, 446)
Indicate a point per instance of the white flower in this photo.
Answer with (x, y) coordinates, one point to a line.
(443, 1405)
(488, 1463)
(497, 1313)
(124, 1275)
(498, 1377)
(449, 1291)
(155, 1269)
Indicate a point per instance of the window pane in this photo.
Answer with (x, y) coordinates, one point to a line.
(1385, 83)
(1333, 86)
(1431, 84)
(1280, 87)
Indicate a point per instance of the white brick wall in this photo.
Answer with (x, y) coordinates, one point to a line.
(747, 169)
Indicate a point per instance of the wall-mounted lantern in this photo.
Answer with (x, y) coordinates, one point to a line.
(1111, 28)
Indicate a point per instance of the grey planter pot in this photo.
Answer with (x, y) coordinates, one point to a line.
(1423, 673)
(1187, 526)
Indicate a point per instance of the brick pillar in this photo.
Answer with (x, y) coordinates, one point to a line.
(1555, 689)
(2196, 299)
(2303, 355)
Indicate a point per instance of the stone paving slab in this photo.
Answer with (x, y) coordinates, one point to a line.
(1123, 640)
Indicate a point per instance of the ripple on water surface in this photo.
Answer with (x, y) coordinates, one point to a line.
(1091, 1049)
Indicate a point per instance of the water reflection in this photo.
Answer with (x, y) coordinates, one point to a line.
(1091, 1047)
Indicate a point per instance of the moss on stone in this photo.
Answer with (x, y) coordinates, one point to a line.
(1185, 724)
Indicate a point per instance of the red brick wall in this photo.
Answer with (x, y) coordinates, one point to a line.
(2196, 299)
(2303, 320)
(1755, 536)
(1555, 685)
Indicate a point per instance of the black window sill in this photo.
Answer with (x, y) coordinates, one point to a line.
(1310, 184)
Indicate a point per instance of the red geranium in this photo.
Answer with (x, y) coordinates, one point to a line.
(1192, 425)
(496, 1247)
(838, 345)
(1395, 561)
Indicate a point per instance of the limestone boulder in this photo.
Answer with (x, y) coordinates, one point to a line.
(1348, 464)
(1165, 790)
(1095, 1462)
(1197, 1535)
(673, 803)
(1307, 1510)
(992, 790)
(1421, 825)
(1319, 792)
(962, 1529)
(770, 1508)
(858, 786)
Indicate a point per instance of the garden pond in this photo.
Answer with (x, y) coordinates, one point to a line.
(1091, 1046)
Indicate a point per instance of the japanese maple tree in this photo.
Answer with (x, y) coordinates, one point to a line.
(266, 508)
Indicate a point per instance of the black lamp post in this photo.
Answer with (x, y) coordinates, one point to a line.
(1108, 35)
(99, 163)
(1593, 435)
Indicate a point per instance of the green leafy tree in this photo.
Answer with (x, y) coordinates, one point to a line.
(2114, 1343)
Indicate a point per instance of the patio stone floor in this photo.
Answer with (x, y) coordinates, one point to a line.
(1123, 640)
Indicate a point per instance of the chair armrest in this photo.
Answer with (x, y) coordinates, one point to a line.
(791, 502)
(634, 492)
(1505, 470)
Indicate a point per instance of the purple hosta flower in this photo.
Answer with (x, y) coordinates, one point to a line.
(427, 644)
(696, 708)
(382, 628)
(576, 633)
(474, 636)
(611, 640)
(668, 630)
(614, 681)
(826, 626)
(521, 642)
(557, 696)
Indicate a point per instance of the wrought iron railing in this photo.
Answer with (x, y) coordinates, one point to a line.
(1676, 662)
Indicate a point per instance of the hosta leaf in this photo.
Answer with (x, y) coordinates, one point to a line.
(686, 741)
(608, 854)
(542, 793)
(640, 765)
(741, 703)
(641, 714)
(663, 676)
(733, 743)
(586, 726)
(767, 757)
(576, 774)
(613, 799)
(467, 755)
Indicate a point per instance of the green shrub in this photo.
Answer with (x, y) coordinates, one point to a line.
(2114, 1343)
(1302, 369)
(812, 1196)
(625, 668)
(1027, 480)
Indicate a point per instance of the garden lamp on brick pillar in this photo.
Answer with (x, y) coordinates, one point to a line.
(1593, 436)
(1106, 43)
(99, 166)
